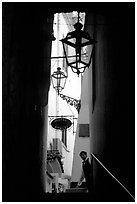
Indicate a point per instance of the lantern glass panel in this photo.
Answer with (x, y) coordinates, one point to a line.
(56, 81)
(84, 40)
(62, 83)
(70, 53)
(86, 54)
(72, 40)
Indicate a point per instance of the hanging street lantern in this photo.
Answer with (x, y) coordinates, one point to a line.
(58, 80)
(79, 44)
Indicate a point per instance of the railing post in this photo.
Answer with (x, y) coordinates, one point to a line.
(92, 183)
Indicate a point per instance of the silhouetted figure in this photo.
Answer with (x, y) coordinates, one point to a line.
(86, 171)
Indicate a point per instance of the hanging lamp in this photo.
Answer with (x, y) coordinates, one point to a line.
(58, 80)
(79, 44)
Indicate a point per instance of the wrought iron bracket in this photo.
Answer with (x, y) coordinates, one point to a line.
(71, 101)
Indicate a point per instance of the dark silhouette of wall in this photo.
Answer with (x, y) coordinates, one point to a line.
(27, 31)
(112, 120)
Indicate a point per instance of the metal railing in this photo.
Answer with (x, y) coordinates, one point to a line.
(112, 175)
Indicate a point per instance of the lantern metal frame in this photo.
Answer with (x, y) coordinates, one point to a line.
(77, 40)
(58, 79)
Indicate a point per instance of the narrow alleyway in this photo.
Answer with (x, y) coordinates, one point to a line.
(107, 103)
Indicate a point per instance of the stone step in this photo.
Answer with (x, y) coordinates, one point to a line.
(76, 190)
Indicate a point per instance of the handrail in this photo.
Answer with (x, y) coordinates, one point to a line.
(113, 176)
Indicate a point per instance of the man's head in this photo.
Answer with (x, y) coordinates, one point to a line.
(83, 155)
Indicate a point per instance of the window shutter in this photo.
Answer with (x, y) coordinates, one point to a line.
(83, 130)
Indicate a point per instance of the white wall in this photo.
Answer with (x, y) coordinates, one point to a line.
(81, 143)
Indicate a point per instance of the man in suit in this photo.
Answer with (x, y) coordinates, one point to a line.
(86, 171)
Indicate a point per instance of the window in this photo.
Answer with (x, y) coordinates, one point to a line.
(83, 130)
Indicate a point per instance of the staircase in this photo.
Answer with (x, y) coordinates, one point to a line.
(76, 190)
